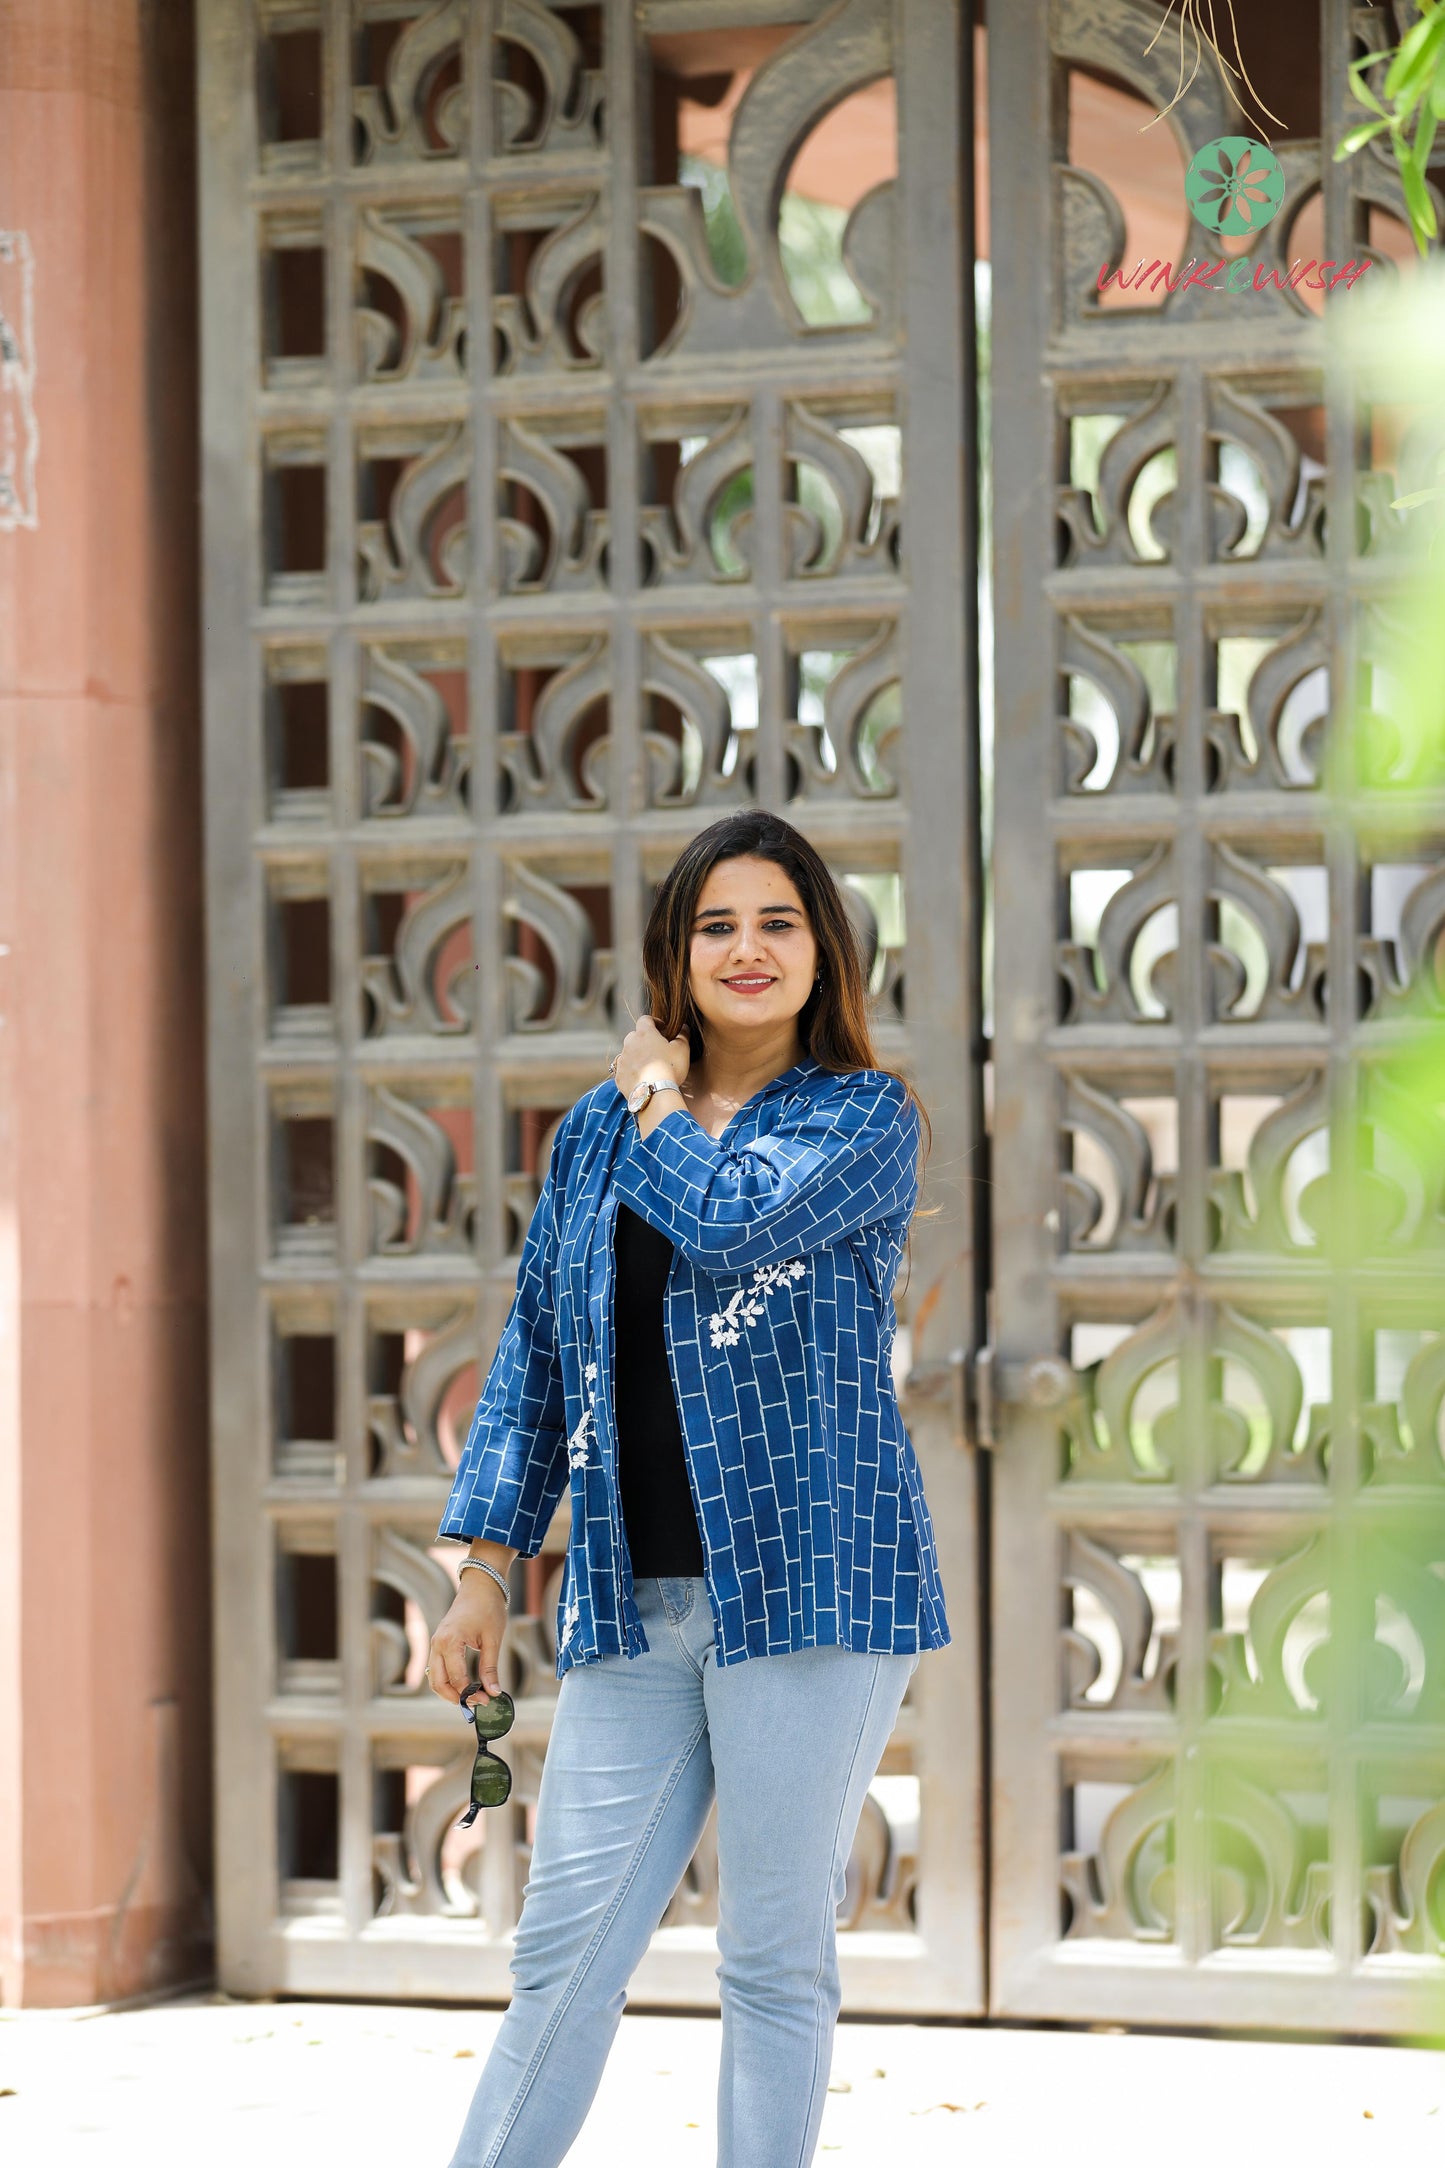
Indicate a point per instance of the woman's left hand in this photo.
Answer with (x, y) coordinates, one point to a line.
(645, 1053)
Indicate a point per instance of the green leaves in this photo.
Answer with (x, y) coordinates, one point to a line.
(1361, 88)
(1410, 502)
(1355, 139)
(1412, 69)
(1414, 90)
(1417, 200)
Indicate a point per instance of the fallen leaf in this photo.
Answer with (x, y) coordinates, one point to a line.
(8, 2092)
(1369, 2115)
(464, 2055)
(877, 2073)
(840, 2085)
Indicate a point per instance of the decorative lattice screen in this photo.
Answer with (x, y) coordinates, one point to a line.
(1219, 1642)
(571, 476)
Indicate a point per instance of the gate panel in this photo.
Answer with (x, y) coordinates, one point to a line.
(1218, 1739)
(547, 518)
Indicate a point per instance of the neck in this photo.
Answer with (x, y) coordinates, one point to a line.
(731, 1070)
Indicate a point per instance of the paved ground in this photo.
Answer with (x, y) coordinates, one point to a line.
(207, 2083)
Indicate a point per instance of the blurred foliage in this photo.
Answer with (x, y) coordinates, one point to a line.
(810, 242)
(810, 245)
(1390, 767)
(726, 246)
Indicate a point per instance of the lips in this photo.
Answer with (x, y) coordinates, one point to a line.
(752, 983)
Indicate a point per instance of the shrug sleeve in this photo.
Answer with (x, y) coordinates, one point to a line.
(848, 1157)
(513, 1468)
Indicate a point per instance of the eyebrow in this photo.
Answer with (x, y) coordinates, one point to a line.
(725, 910)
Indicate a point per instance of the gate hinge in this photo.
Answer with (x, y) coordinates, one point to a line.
(1046, 1382)
(971, 1386)
(961, 1384)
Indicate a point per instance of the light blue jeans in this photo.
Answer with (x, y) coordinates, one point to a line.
(639, 1746)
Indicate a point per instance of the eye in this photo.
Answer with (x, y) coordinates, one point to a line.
(725, 927)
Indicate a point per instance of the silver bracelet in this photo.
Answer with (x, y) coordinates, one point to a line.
(482, 1567)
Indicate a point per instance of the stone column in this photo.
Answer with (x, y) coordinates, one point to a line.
(104, 1604)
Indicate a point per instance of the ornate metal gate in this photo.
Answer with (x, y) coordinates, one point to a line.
(556, 500)
(1219, 1536)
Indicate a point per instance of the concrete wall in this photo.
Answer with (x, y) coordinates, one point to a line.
(104, 1599)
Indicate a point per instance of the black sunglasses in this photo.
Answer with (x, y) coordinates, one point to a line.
(491, 1778)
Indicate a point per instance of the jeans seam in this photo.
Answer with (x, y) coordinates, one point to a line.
(832, 1859)
(584, 1962)
(677, 1634)
(673, 1619)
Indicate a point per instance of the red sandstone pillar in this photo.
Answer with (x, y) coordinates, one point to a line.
(104, 1612)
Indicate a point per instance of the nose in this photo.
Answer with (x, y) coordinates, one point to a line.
(748, 942)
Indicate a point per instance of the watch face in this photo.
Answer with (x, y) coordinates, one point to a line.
(637, 1099)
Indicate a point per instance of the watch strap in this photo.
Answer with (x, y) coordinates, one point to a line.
(653, 1086)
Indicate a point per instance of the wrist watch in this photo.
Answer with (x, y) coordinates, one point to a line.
(638, 1098)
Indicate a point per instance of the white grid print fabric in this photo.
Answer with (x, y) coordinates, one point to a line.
(789, 1232)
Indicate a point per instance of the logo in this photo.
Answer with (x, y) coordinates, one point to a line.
(1234, 185)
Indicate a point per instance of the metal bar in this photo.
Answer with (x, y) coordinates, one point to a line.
(1026, 1801)
(233, 694)
(942, 917)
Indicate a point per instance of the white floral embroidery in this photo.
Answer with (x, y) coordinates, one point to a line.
(581, 1437)
(569, 1619)
(746, 1306)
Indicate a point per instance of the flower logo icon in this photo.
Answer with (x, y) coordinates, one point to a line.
(1234, 184)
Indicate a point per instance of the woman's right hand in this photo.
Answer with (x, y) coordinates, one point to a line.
(477, 1620)
(645, 1053)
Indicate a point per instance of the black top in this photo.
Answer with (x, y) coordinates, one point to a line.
(657, 1509)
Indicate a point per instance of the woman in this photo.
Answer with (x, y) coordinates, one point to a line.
(700, 1343)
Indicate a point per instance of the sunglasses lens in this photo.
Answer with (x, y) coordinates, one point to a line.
(491, 1782)
(494, 1718)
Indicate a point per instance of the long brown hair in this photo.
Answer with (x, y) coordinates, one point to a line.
(833, 1023)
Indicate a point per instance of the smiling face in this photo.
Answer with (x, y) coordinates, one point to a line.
(752, 956)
